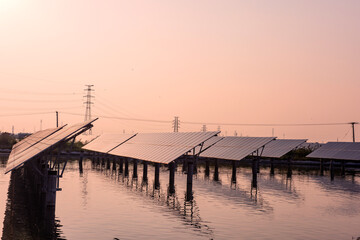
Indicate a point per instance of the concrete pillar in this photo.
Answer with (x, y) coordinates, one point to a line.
(289, 170)
(216, 171)
(81, 162)
(157, 176)
(107, 162)
(172, 178)
(189, 183)
(343, 168)
(145, 170)
(272, 172)
(332, 170)
(126, 168)
(184, 167)
(321, 167)
(233, 176)
(195, 170)
(114, 165)
(121, 166)
(207, 168)
(135, 175)
(254, 173)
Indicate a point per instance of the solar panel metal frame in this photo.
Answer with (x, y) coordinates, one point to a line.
(62, 134)
(280, 147)
(338, 151)
(161, 147)
(236, 148)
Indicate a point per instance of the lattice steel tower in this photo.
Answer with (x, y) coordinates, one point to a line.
(88, 104)
(176, 124)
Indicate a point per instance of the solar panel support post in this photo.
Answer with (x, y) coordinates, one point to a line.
(121, 166)
(233, 175)
(321, 167)
(184, 167)
(113, 164)
(145, 170)
(135, 175)
(157, 176)
(272, 171)
(126, 167)
(189, 182)
(254, 173)
(207, 168)
(289, 170)
(216, 170)
(107, 162)
(332, 174)
(343, 168)
(81, 162)
(172, 178)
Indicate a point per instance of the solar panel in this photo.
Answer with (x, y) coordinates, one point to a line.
(31, 140)
(50, 138)
(161, 147)
(280, 147)
(337, 150)
(235, 148)
(106, 142)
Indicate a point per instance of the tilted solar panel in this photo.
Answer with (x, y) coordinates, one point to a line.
(338, 150)
(280, 147)
(161, 147)
(236, 148)
(50, 138)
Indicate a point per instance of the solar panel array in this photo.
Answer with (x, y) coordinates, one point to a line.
(337, 150)
(236, 148)
(106, 142)
(280, 147)
(39, 142)
(161, 147)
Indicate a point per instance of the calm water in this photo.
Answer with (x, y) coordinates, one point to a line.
(101, 204)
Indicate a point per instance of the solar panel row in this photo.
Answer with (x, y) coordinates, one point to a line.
(41, 141)
(338, 150)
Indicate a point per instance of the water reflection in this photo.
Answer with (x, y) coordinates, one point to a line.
(23, 218)
(187, 211)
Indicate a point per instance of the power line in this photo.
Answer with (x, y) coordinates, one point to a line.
(267, 124)
(123, 118)
(28, 100)
(26, 114)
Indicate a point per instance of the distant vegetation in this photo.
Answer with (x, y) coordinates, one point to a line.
(7, 140)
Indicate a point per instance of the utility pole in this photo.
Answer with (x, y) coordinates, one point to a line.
(176, 124)
(57, 119)
(88, 103)
(353, 129)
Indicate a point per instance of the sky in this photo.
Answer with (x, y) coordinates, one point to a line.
(208, 62)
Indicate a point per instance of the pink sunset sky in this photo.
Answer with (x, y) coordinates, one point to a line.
(244, 62)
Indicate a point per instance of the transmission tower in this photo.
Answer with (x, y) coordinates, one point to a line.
(176, 124)
(203, 129)
(88, 103)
